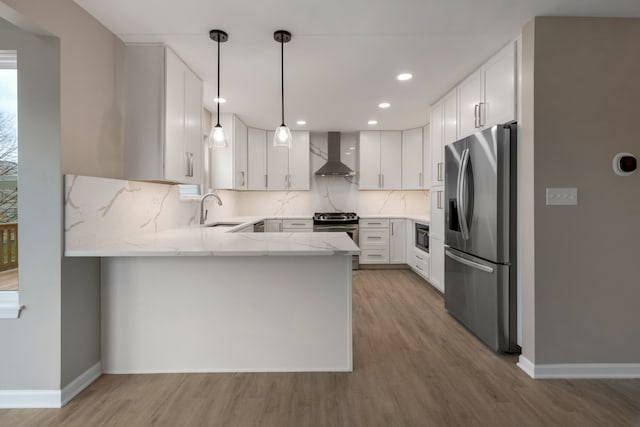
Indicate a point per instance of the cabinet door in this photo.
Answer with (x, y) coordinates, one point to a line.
(176, 165)
(277, 165)
(398, 242)
(370, 160)
(426, 156)
(437, 135)
(450, 104)
(412, 174)
(500, 88)
(469, 98)
(299, 159)
(257, 159)
(222, 164)
(240, 154)
(436, 227)
(436, 270)
(193, 126)
(391, 160)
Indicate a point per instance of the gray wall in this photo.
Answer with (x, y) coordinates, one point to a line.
(92, 85)
(586, 88)
(30, 354)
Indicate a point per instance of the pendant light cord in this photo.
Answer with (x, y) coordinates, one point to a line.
(282, 75)
(218, 124)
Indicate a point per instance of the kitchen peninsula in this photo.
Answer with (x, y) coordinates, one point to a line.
(208, 299)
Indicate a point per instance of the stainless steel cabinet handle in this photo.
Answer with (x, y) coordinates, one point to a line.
(189, 157)
(374, 223)
(379, 181)
(439, 199)
(476, 120)
(374, 255)
(440, 173)
(481, 114)
(298, 223)
(419, 257)
(418, 267)
(374, 237)
(420, 183)
(468, 262)
(242, 173)
(382, 180)
(392, 228)
(188, 164)
(266, 181)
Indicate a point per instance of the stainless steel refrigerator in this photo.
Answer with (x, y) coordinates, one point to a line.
(480, 235)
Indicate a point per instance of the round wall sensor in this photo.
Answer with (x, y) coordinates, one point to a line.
(625, 164)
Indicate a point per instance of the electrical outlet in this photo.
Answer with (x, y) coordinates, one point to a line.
(562, 196)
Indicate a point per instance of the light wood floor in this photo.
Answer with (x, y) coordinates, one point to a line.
(413, 366)
(9, 280)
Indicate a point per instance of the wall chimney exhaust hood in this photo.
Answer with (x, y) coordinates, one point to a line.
(334, 167)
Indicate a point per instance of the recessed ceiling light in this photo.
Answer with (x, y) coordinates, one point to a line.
(384, 105)
(219, 100)
(372, 122)
(352, 148)
(348, 153)
(301, 122)
(404, 76)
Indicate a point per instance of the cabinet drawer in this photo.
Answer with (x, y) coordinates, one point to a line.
(297, 230)
(374, 223)
(374, 238)
(419, 262)
(297, 224)
(374, 256)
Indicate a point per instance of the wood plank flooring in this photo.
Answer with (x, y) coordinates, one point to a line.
(9, 280)
(413, 366)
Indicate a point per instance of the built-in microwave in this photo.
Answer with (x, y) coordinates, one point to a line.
(422, 237)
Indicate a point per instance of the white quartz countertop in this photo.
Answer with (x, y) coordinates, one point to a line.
(422, 219)
(219, 241)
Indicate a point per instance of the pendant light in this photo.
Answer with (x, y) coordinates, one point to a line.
(282, 136)
(217, 138)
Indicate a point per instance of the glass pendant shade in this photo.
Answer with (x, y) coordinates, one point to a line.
(282, 137)
(217, 138)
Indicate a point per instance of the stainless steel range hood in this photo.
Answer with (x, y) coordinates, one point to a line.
(334, 166)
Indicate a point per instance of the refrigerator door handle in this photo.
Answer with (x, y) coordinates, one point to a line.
(468, 262)
(461, 194)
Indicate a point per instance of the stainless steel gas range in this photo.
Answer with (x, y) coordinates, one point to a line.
(338, 222)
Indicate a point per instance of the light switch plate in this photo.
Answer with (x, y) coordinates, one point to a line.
(562, 196)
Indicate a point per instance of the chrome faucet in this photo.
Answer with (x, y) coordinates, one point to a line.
(203, 212)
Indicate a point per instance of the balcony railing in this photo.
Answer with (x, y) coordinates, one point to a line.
(9, 242)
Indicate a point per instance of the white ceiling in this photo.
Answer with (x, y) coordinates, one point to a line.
(344, 55)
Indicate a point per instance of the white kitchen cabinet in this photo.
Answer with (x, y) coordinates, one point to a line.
(297, 225)
(450, 129)
(229, 163)
(437, 154)
(426, 157)
(240, 155)
(436, 226)
(488, 96)
(273, 226)
(436, 256)
(163, 122)
(380, 160)
(288, 169)
(257, 159)
(398, 241)
(412, 159)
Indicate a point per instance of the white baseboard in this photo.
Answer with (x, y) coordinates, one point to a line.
(49, 398)
(580, 370)
(218, 370)
(80, 383)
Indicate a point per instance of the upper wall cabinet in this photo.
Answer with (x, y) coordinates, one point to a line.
(488, 96)
(257, 159)
(229, 165)
(288, 169)
(413, 177)
(163, 121)
(380, 160)
(443, 131)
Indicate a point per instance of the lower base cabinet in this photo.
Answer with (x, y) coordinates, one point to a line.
(436, 273)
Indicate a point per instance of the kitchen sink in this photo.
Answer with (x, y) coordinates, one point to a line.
(223, 224)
